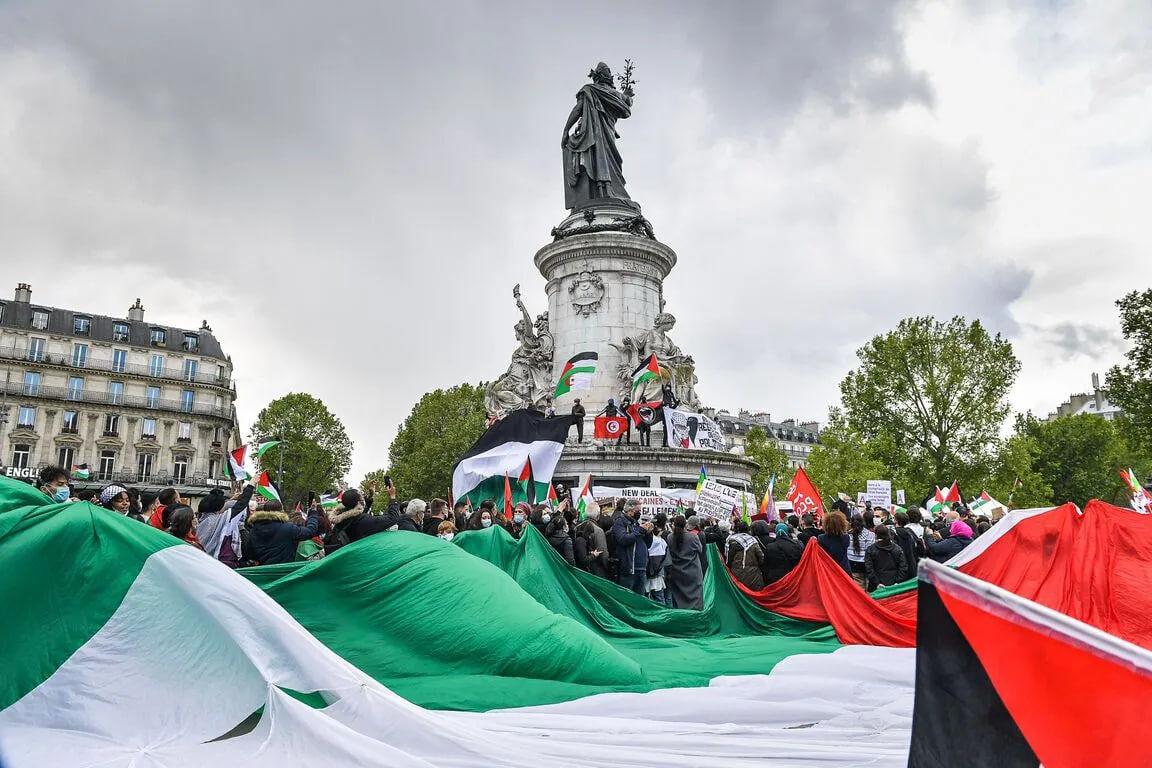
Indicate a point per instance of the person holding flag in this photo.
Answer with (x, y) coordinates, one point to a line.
(272, 538)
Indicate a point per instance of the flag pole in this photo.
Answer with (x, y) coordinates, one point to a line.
(280, 472)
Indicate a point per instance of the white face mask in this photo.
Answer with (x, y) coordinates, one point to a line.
(447, 536)
(485, 523)
(546, 518)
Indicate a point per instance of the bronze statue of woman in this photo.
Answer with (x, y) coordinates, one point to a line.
(592, 164)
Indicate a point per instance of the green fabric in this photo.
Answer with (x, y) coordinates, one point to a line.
(66, 570)
(514, 625)
(895, 589)
(493, 488)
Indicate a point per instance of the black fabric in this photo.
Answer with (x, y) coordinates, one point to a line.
(781, 555)
(959, 720)
(526, 425)
(273, 541)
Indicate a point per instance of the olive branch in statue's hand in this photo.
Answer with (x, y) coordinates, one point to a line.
(627, 83)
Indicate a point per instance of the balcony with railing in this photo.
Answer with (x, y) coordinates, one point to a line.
(78, 395)
(33, 355)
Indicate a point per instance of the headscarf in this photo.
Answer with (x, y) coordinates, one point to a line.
(960, 528)
(110, 493)
(783, 530)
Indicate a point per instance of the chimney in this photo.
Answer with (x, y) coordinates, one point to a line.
(1097, 393)
(136, 312)
(23, 293)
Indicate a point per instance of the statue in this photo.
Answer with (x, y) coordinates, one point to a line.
(528, 380)
(592, 164)
(676, 369)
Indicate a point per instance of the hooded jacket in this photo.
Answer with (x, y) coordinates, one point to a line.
(356, 525)
(885, 564)
(272, 539)
(745, 560)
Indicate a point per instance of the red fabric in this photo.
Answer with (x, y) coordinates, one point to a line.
(157, 518)
(819, 590)
(608, 427)
(507, 498)
(903, 604)
(804, 496)
(1076, 707)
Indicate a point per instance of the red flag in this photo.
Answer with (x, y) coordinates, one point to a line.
(804, 496)
(552, 497)
(609, 427)
(644, 413)
(507, 498)
(953, 495)
(527, 481)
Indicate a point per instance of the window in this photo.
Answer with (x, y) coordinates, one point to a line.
(144, 466)
(81, 326)
(116, 392)
(36, 350)
(1, 312)
(39, 319)
(156, 366)
(180, 469)
(20, 454)
(71, 422)
(159, 337)
(189, 370)
(119, 360)
(66, 457)
(216, 434)
(185, 432)
(75, 387)
(27, 417)
(31, 383)
(191, 342)
(107, 465)
(153, 397)
(119, 331)
(187, 400)
(79, 355)
(112, 424)
(148, 428)
(213, 467)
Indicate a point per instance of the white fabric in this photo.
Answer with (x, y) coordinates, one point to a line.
(195, 649)
(981, 543)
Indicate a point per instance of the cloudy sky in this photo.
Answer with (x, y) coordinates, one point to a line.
(347, 191)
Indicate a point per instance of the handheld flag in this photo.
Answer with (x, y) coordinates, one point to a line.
(81, 472)
(609, 427)
(701, 479)
(644, 413)
(585, 499)
(804, 495)
(265, 488)
(744, 507)
(507, 498)
(263, 448)
(527, 481)
(767, 507)
(577, 374)
(235, 469)
(330, 502)
(552, 497)
(953, 495)
(648, 370)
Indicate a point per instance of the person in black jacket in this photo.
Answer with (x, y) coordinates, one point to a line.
(910, 544)
(557, 535)
(413, 518)
(587, 555)
(808, 529)
(632, 540)
(436, 513)
(349, 519)
(884, 562)
(782, 553)
(273, 539)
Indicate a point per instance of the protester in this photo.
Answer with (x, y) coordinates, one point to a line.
(589, 555)
(862, 538)
(115, 498)
(632, 540)
(597, 539)
(148, 504)
(413, 518)
(713, 534)
(218, 524)
(884, 561)
(53, 483)
(578, 414)
(656, 586)
(915, 521)
(436, 513)
(808, 529)
(168, 497)
(273, 539)
(182, 524)
(520, 519)
(782, 553)
(481, 519)
(745, 557)
(557, 535)
(446, 530)
(835, 540)
(539, 516)
(910, 544)
(943, 550)
(684, 577)
(460, 513)
(349, 520)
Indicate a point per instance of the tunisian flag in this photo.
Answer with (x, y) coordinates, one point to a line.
(608, 427)
(804, 496)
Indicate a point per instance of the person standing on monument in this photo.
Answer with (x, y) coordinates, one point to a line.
(624, 405)
(578, 414)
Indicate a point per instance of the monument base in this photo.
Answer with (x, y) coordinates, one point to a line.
(652, 467)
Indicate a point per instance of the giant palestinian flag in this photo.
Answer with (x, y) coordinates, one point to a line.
(504, 450)
(577, 373)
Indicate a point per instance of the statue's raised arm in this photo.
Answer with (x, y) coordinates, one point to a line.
(593, 169)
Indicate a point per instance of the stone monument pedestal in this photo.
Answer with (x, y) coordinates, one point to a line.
(654, 467)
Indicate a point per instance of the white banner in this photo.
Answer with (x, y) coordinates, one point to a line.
(693, 430)
(717, 500)
(652, 500)
(880, 493)
(900, 497)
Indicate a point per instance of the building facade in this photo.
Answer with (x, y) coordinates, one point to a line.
(797, 439)
(1095, 402)
(139, 403)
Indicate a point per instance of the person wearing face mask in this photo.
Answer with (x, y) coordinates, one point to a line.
(446, 530)
(632, 540)
(557, 535)
(520, 514)
(589, 555)
(413, 518)
(53, 483)
(481, 519)
(115, 498)
(537, 517)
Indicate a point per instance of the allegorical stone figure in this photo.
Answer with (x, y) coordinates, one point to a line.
(592, 164)
(528, 381)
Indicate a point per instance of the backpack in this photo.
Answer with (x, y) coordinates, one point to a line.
(919, 550)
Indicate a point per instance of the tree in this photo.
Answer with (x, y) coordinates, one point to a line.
(441, 427)
(317, 450)
(772, 460)
(844, 461)
(1016, 461)
(1130, 386)
(1079, 457)
(930, 398)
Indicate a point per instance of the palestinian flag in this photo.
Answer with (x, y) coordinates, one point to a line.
(265, 487)
(953, 494)
(577, 374)
(235, 468)
(330, 502)
(585, 499)
(700, 480)
(81, 472)
(263, 448)
(504, 450)
(984, 499)
(507, 499)
(937, 504)
(647, 371)
(552, 498)
(967, 683)
(527, 482)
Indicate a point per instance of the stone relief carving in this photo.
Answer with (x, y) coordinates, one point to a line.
(528, 380)
(586, 292)
(676, 368)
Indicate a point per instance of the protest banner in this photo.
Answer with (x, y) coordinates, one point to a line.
(693, 430)
(900, 497)
(653, 501)
(716, 500)
(879, 493)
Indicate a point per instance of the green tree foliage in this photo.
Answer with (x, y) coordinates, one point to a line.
(930, 397)
(1130, 386)
(772, 460)
(440, 428)
(1079, 457)
(1016, 460)
(844, 461)
(317, 450)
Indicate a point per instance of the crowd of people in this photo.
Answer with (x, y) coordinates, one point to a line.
(656, 555)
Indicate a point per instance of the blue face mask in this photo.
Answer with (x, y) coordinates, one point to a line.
(485, 523)
(518, 519)
(62, 495)
(546, 518)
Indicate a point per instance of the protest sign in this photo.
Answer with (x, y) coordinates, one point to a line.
(693, 430)
(879, 493)
(653, 501)
(716, 500)
(900, 497)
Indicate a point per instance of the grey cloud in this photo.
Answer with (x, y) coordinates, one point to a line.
(1076, 338)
